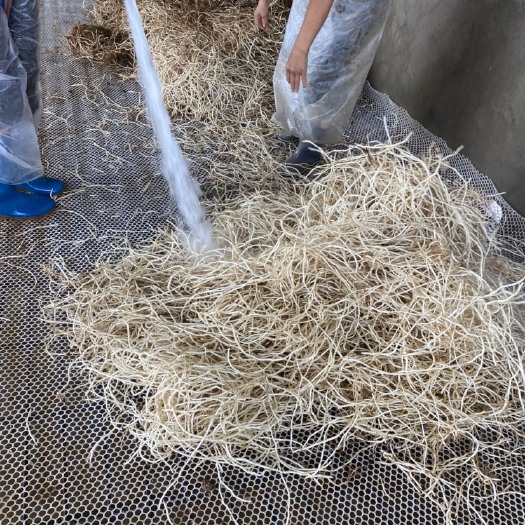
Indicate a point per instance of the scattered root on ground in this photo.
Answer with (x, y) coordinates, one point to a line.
(216, 70)
(359, 305)
(102, 46)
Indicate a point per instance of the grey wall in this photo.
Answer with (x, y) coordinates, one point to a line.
(458, 67)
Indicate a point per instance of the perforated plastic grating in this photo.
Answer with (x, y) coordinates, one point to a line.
(59, 462)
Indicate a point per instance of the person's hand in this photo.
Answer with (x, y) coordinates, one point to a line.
(262, 14)
(296, 68)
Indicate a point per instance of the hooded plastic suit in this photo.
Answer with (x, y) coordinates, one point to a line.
(20, 93)
(338, 64)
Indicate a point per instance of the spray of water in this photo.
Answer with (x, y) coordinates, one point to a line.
(174, 167)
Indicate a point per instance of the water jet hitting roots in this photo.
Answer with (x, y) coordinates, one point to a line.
(174, 165)
(361, 305)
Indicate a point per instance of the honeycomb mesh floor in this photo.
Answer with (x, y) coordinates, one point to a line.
(60, 463)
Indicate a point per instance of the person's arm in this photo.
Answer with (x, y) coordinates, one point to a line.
(297, 65)
(261, 14)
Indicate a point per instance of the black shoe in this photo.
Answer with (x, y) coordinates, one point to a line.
(284, 136)
(301, 161)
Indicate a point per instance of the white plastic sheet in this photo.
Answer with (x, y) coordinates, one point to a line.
(338, 64)
(20, 94)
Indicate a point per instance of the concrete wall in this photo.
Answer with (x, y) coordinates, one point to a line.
(458, 67)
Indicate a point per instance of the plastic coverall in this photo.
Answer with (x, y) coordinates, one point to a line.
(20, 92)
(338, 63)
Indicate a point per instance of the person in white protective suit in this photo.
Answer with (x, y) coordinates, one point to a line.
(24, 191)
(327, 52)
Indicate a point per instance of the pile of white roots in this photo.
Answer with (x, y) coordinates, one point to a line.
(365, 303)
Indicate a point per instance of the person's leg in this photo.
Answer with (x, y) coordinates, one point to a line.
(338, 63)
(24, 28)
(19, 151)
(288, 107)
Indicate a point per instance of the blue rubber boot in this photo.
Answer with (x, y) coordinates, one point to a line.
(43, 186)
(17, 205)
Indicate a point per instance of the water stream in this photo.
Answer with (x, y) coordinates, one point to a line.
(183, 188)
